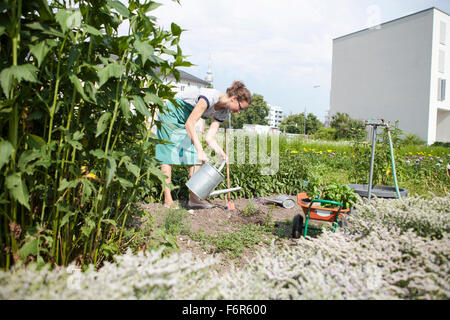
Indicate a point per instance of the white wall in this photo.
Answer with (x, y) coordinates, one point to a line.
(385, 73)
(439, 129)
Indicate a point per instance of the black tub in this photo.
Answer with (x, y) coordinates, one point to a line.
(378, 191)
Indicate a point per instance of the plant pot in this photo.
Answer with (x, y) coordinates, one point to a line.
(317, 212)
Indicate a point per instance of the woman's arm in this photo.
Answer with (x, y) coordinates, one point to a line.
(196, 113)
(211, 139)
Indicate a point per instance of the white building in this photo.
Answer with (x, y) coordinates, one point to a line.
(188, 80)
(260, 129)
(396, 71)
(275, 116)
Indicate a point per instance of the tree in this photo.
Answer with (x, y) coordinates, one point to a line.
(296, 124)
(312, 124)
(256, 113)
(346, 127)
(293, 124)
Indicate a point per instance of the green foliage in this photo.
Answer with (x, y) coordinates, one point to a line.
(256, 113)
(75, 100)
(347, 128)
(340, 193)
(328, 134)
(234, 243)
(412, 139)
(296, 124)
(175, 222)
(250, 209)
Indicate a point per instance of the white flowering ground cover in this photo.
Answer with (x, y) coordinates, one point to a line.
(391, 249)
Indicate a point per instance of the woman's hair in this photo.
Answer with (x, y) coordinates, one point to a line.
(241, 92)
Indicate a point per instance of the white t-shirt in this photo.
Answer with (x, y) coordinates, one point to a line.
(211, 96)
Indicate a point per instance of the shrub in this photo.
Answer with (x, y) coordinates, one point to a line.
(412, 139)
(328, 134)
(378, 256)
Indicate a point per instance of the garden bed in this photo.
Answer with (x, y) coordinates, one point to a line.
(215, 222)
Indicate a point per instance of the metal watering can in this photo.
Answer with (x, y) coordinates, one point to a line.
(206, 179)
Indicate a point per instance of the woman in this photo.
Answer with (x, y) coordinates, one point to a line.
(178, 128)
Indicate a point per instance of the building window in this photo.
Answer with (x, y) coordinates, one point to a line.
(442, 32)
(441, 61)
(182, 88)
(442, 84)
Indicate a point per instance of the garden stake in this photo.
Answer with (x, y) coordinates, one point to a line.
(230, 204)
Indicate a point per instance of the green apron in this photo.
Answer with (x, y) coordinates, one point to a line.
(179, 149)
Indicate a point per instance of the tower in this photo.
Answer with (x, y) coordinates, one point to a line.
(209, 76)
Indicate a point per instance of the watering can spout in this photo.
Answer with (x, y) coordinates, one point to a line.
(217, 192)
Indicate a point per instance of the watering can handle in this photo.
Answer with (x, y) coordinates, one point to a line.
(221, 166)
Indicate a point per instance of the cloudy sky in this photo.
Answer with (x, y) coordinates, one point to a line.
(280, 49)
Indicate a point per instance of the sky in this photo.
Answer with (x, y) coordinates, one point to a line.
(280, 49)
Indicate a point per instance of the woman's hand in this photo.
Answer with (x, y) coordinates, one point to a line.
(223, 155)
(202, 157)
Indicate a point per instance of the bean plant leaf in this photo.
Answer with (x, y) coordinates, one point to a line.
(66, 217)
(91, 30)
(88, 227)
(77, 84)
(68, 19)
(134, 169)
(98, 153)
(45, 29)
(125, 107)
(25, 72)
(151, 97)
(111, 167)
(88, 188)
(150, 6)
(30, 247)
(35, 141)
(6, 150)
(18, 189)
(125, 183)
(77, 135)
(67, 184)
(26, 157)
(41, 49)
(176, 30)
(140, 106)
(114, 4)
(144, 49)
(102, 123)
(111, 70)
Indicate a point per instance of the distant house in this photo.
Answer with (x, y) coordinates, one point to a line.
(260, 129)
(396, 71)
(188, 80)
(275, 116)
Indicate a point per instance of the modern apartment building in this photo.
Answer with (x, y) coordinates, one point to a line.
(275, 116)
(396, 71)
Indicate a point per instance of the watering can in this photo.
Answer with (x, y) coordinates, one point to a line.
(284, 201)
(206, 179)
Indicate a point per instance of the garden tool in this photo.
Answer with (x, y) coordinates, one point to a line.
(230, 204)
(283, 201)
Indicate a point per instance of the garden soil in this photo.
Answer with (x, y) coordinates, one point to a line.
(218, 220)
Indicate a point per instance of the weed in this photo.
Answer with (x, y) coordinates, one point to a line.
(175, 222)
(250, 209)
(233, 243)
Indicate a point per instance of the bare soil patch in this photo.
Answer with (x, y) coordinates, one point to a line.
(219, 220)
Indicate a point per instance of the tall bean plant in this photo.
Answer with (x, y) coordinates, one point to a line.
(77, 103)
